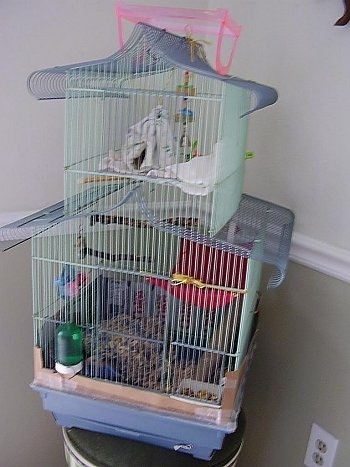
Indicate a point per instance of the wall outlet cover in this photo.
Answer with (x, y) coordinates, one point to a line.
(321, 448)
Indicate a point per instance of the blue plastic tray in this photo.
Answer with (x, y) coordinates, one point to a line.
(198, 439)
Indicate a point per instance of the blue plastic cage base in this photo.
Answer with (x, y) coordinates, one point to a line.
(196, 438)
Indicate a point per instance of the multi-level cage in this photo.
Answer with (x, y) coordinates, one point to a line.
(156, 113)
(146, 294)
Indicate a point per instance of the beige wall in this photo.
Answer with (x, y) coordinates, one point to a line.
(300, 373)
(300, 144)
(29, 436)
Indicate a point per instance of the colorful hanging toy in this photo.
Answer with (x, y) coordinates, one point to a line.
(70, 282)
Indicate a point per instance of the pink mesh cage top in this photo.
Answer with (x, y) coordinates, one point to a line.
(196, 24)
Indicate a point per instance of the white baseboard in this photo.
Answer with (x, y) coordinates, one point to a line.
(334, 262)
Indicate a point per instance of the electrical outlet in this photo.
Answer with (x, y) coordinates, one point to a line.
(321, 448)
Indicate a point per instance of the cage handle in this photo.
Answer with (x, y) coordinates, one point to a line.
(226, 23)
(218, 23)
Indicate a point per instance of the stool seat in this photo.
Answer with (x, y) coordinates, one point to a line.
(92, 449)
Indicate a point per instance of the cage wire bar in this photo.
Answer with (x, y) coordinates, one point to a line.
(147, 322)
(156, 140)
(154, 254)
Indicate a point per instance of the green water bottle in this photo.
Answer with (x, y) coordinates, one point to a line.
(69, 349)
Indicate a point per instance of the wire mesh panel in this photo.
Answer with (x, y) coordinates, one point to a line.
(157, 311)
(139, 117)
